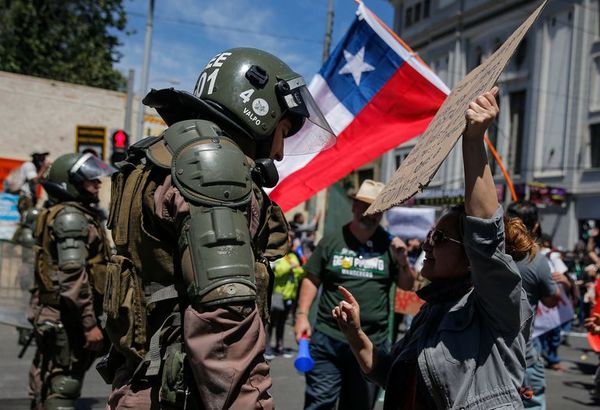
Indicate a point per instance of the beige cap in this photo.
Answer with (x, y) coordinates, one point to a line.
(368, 191)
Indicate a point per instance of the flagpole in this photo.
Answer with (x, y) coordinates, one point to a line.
(507, 178)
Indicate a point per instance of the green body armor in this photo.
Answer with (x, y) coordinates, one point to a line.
(147, 281)
(68, 249)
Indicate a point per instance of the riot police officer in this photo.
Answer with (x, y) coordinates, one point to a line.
(71, 252)
(188, 292)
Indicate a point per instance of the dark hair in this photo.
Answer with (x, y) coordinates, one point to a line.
(526, 211)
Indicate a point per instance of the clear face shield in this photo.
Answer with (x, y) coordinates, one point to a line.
(88, 168)
(313, 133)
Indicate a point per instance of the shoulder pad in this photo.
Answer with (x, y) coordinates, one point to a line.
(70, 223)
(158, 154)
(207, 168)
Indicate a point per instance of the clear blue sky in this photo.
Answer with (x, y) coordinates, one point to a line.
(187, 33)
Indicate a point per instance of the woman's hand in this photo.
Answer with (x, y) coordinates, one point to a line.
(347, 314)
(480, 114)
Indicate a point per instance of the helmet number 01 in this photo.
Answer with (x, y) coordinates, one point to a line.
(210, 79)
(245, 96)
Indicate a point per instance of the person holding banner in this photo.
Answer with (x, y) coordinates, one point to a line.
(466, 346)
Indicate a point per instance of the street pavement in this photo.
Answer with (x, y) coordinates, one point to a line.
(566, 390)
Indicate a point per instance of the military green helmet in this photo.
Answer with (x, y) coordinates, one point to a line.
(247, 92)
(63, 181)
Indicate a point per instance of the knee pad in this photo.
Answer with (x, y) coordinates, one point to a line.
(65, 387)
(56, 403)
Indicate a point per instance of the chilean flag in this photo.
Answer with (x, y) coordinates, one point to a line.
(375, 93)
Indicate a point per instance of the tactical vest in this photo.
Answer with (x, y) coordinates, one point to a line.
(140, 295)
(46, 264)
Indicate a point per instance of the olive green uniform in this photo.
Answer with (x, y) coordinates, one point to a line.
(169, 354)
(71, 252)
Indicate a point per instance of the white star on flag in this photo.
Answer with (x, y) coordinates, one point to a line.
(355, 65)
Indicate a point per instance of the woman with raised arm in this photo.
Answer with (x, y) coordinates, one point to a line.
(466, 347)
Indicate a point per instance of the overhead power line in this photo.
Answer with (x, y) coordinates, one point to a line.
(226, 28)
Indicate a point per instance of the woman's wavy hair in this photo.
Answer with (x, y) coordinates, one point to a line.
(520, 244)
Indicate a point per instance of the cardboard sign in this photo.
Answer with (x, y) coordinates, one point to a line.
(421, 165)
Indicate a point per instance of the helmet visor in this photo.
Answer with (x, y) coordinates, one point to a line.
(88, 168)
(314, 134)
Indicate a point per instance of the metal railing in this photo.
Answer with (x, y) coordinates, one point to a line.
(16, 274)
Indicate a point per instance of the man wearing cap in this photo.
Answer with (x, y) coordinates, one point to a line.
(366, 260)
(24, 181)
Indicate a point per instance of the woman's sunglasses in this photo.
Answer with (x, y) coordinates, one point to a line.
(436, 237)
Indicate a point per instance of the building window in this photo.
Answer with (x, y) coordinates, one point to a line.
(417, 12)
(595, 85)
(363, 174)
(408, 21)
(595, 145)
(426, 8)
(517, 128)
(400, 156)
(521, 54)
(475, 58)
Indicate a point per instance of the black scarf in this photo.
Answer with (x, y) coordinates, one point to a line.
(445, 290)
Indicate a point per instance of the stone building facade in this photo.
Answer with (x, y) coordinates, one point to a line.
(548, 130)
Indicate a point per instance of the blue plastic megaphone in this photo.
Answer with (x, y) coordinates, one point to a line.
(304, 363)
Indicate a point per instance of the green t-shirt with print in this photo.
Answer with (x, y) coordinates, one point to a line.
(366, 270)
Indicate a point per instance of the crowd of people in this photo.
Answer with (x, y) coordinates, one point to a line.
(203, 271)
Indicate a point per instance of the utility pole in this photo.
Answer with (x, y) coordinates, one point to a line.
(145, 69)
(129, 106)
(328, 31)
(319, 201)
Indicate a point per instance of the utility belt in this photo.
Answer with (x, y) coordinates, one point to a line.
(128, 301)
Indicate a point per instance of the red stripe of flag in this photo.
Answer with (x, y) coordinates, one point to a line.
(401, 110)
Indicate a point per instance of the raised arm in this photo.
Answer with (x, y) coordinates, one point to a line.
(496, 279)
(481, 199)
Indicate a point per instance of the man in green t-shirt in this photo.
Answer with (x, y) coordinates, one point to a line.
(366, 260)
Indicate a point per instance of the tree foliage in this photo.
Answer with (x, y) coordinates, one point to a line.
(65, 40)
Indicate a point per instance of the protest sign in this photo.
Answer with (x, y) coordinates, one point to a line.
(410, 223)
(407, 302)
(9, 215)
(421, 165)
(547, 318)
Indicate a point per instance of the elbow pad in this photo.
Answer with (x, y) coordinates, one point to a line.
(214, 176)
(71, 230)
